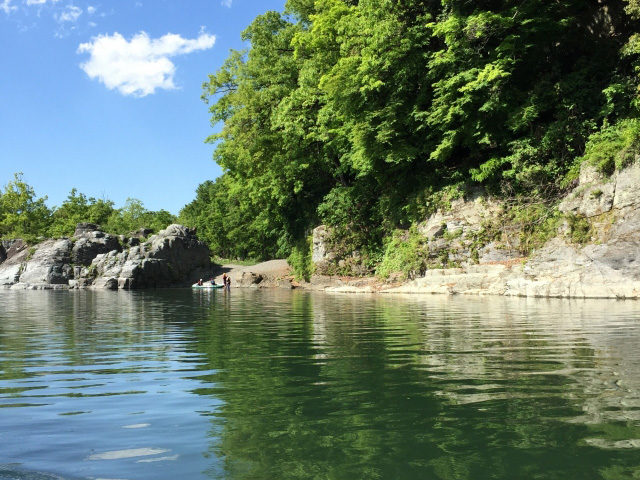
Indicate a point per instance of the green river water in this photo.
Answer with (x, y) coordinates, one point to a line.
(175, 384)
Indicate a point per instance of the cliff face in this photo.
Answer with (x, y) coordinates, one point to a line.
(602, 262)
(92, 258)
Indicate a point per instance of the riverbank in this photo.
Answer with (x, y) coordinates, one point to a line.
(521, 278)
(593, 250)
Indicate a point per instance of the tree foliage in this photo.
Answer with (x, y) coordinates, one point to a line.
(357, 113)
(24, 215)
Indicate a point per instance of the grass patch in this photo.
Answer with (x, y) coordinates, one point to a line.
(232, 261)
(580, 229)
(30, 253)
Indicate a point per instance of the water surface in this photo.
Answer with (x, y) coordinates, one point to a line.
(292, 385)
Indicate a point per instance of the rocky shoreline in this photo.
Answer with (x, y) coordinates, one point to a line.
(605, 263)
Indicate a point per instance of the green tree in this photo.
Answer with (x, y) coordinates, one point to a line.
(22, 214)
(78, 208)
(134, 216)
(360, 114)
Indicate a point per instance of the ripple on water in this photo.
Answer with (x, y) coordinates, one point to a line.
(295, 385)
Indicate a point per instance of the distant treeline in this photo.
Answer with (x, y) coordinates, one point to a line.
(25, 215)
(364, 115)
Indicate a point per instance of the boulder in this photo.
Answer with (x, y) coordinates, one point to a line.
(173, 257)
(90, 243)
(11, 248)
(47, 263)
(15, 252)
(84, 228)
(250, 279)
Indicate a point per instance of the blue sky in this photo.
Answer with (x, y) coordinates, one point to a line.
(104, 96)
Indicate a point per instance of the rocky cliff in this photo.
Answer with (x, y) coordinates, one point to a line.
(469, 249)
(92, 258)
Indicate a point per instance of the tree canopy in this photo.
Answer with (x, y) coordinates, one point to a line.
(358, 113)
(24, 215)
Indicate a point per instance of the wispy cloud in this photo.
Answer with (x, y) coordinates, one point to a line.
(91, 9)
(140, 66)
(40, 2)
(6, 7)
(70, 14)
(226, 3)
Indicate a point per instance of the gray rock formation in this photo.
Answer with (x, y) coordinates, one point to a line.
(596, 194)
(250, 279)
(48, 264)
(607, 266)
(173, 257)
(454, 234)
(89, 243)
(95, 259)
(15, 253)
(320, 251)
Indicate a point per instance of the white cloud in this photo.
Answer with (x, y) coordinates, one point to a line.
(40, 2)
(91, 9)
(140, 66)
(226, 3)
(6, 7)
(71, 13)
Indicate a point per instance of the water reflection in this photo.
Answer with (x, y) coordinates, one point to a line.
(284, 385)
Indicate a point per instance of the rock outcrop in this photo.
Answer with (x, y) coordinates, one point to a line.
(90, 241)
(48, 264)
(603, 263)
(455, 235)
(173, 257)
(14, 252)
(92, 258)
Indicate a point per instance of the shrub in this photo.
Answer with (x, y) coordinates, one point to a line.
(405, 252)
(300, 259)
(614, 147)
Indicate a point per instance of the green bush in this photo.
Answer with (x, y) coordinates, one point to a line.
(300, 260)
(614, 147)
(535, 222)
(406, 253)
(580, 229)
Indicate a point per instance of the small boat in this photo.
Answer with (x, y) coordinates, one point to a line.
(207, 286)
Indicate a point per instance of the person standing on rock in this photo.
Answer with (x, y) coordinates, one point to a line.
(227, 283)
(224, 279)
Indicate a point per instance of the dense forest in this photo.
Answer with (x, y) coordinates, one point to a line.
(367, 115)
(25, 215)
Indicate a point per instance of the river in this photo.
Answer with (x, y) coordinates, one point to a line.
(277, 385)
